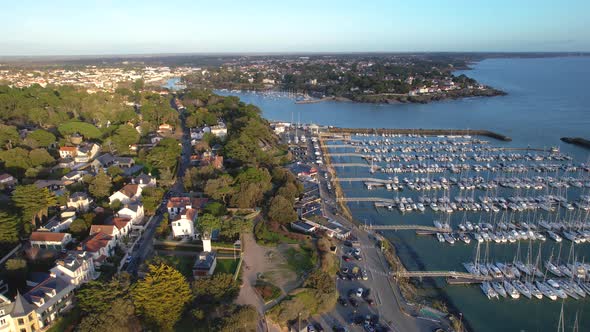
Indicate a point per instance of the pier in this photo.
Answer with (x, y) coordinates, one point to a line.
(463, 276)
(421, 228)
(430, 132)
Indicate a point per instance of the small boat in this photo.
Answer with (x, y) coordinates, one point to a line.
(465, 238)
(553, 269)
(511, 290)
(488, 290)
(499, 288)
(440, 237)
(522, 288)
(534, 290)
(554, 236)
(546, 290)
(556, 288)
(449, 238)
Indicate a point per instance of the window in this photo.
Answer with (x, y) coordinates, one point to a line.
(2, 321)
(21, 321)
(30, 316)
(23, 330)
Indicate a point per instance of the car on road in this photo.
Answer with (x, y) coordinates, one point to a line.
(343, 302)
(129, 259)
(358, 257)
(359, 292)
(353, 302)
(365, 275)
(357, 251)
(344, 270)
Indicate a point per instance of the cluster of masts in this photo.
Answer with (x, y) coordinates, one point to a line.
(513, 279)
(548, 203)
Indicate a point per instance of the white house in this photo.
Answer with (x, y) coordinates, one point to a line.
(50, 240)
(128, 193)
(75, 269)
(134, 212)
(219, 130)
(59, 223)
(183, 225)
(110, 230)
(86, 152)
(68, 152)
(80, 201)
(99, 246)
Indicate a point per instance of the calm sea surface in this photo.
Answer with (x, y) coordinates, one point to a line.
(547, 99)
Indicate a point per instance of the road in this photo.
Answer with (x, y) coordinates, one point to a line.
(389, 304)
(144, 246)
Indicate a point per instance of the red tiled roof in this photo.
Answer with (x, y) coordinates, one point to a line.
(178, 202)
(129, 190)
(68, 148)
(95, 242)
(107, 229)
(47, 237)
(121, 222)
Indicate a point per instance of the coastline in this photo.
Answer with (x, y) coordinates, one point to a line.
(410, 294)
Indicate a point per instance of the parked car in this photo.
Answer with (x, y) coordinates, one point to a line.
(346, 258)
(342, 302)
(359, 292)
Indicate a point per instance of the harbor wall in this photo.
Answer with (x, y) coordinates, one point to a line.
(577, 141)
(420, 131)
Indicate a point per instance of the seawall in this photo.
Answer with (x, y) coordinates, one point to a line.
(401, 131)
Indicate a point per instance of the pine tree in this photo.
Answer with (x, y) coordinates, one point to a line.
(33, 202)
(9, 228)
(101, 185)
(162, 296)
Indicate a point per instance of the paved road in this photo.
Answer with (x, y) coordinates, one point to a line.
(144, 246)
(390, 307)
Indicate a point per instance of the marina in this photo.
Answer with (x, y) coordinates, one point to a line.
(532, 115)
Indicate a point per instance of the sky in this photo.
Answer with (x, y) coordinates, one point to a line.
(93, 27)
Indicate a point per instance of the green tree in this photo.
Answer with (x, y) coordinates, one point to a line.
(240, 319)
(164, 155)
(40, 157)
(101, 185)
(220, 288)
(41, 138)
(124, 136)
(10, 228)
(281, 210)
(89, 131)
(8, 136)
(120, 317)
(151, 198)
(98, 296)
(33, 202)
(79, 228)
(114, 170)
(16, 159)
(215, 208)
(164, 226)
(161, 296)
(208, 222)
(220, 188)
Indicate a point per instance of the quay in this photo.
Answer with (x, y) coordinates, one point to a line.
(463, 277)
(430, 132)
(422, 228)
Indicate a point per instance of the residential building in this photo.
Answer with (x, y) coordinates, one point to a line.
(127, 194)
(144, 180)
(103, 162)
(59, 223)
(86, 152)
(18, 315)
(7, 181)
(132, 211)
(219, 130)
(183, 224)
(111, 230)
(205, 265)
(99, 246)
(50, 240)
(74, 176)
(75, 268)
(80, 201)
(68, 152)
(50, 297)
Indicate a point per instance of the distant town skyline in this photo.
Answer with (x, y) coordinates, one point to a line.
(34, 28)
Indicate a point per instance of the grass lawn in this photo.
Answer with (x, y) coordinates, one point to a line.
(302, 260)
(226, 266)
(265, 236)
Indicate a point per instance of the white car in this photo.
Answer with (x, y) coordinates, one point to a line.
(359, 292)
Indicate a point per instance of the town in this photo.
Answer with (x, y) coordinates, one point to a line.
(165, 191)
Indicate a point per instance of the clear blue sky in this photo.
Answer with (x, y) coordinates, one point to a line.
(113, 27)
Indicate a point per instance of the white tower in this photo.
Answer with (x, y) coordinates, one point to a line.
(206, 242)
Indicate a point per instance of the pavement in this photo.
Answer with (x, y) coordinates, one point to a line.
(390, 306)
(144, 247)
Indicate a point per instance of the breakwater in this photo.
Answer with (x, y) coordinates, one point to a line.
(431, 132)
(577, 141)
